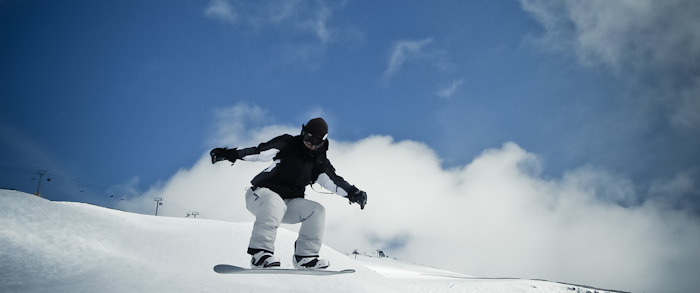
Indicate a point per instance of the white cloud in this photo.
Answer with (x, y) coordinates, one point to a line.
(496, 216)
(319, 25)
(221, 10)
(448, 91)
(676, 192)
(653, 44)
(414, 52)
(403, 51)
(303, 30)
(301, 17)
(686, 106)
(233, 125)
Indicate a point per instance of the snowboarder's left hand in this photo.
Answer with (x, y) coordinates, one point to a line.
(357, 196)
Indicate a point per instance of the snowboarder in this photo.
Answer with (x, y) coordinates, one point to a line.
(277, 193)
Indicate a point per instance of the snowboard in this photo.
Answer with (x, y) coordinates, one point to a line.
(231, 269)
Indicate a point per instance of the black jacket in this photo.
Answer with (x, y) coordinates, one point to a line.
(294, 167)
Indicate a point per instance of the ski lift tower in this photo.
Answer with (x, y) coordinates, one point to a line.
(41, 174)
(158, 203)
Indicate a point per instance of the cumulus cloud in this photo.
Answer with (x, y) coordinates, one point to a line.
(653, 44)
(233, 125)
(495, 216)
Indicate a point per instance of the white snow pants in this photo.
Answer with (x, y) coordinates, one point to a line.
(270, 210)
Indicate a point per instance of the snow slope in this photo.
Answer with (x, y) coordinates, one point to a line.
(72, 247)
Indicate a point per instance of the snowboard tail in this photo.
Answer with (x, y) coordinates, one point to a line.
(231, 269)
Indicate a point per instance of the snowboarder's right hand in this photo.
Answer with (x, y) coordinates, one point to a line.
(220, 154)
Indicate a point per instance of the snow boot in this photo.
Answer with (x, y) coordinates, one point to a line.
(310, 263)
(264, 259)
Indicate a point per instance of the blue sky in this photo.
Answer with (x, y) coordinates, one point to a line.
(98, 92)
(119, 97)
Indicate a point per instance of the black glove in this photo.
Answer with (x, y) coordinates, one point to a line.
(220, 154)
(357, 196)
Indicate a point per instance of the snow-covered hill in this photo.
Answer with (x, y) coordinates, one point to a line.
(72, 247)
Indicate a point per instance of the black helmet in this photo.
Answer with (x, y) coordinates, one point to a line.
(315, 131)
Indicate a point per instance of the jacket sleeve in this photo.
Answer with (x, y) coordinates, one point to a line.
(265, 151)
(332, 182)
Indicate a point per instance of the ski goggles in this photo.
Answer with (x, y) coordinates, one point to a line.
(315, 140)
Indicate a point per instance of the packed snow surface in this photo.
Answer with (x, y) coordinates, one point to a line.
(73, 247)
